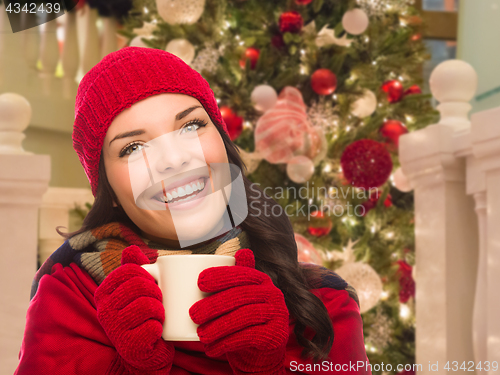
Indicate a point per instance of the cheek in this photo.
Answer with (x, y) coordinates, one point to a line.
(214, 149)
(118, 177)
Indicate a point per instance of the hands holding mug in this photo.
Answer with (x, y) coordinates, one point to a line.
(130, 309)
(244, 317)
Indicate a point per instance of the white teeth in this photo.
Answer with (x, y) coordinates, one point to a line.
(182, 191)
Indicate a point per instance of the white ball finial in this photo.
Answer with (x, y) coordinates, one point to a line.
(453, 81)
(15, 116)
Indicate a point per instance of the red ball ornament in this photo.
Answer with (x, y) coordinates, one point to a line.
(302, 2)
(323, 81)
(234, 123)
(415, 89)
(393, 129)
(406, 282)
(277, 41)
(366, 163)
(322, 227)
(388, 201)
(291, 22)
(416, 37)
(394, 90)
(251, 54)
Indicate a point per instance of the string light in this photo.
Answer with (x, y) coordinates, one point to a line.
(227, 24)
(373, 229)
(146, 11)
(241, 43)
(303, 51)
(340, 169)
(237, 37)
(344, 219)
(327, 168)
(404, 311)
(410, 118)
(384, 295)
(348, 128)
(401, 78)
(390, 235)
(334, 96)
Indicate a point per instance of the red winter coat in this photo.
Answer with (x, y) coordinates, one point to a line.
(63, 335)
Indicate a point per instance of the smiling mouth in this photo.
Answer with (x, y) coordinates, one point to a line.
(182, 193)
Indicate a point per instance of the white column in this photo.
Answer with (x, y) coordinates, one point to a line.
(24, 179)
(445, 225)
(486, 147)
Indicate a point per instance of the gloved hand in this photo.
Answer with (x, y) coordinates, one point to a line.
(246, 318)
(129, 308)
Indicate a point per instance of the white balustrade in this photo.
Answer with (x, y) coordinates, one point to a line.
(52, 97)
(454, 167)
(24, 178)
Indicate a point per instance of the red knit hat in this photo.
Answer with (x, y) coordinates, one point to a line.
(121, 79)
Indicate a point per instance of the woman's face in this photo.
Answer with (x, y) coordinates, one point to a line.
(181, 142)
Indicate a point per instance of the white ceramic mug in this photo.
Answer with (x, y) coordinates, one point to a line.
(177, 277)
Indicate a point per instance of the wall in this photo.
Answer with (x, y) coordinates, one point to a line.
(478, 44)
(66, 168)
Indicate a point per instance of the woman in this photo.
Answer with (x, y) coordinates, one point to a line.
(94, 310)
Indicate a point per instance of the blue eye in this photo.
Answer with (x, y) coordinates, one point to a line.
(193, 125)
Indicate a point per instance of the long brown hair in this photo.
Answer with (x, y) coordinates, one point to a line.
(272, 242)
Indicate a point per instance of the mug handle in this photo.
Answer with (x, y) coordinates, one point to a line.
(153, 270)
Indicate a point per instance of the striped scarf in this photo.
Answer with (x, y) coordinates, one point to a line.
(99, 251)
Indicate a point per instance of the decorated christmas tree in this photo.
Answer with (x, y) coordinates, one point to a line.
(316, 94)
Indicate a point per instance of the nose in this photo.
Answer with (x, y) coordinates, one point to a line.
(172, 155)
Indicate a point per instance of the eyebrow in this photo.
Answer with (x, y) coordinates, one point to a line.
(178, 117)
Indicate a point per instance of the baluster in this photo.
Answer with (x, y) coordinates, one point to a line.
(91, 51)
(109, 40)
(49, 54)
(70, 55)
